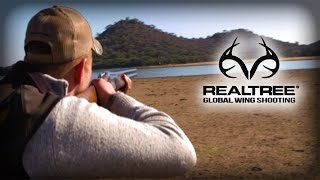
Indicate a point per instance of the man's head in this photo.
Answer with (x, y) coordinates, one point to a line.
(59, 41)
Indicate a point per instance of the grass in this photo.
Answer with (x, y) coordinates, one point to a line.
(215, 151)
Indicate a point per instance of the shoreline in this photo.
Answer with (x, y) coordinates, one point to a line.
(213, 62)
(216, 62)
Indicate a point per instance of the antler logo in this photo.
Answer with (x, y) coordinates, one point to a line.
(269, 55)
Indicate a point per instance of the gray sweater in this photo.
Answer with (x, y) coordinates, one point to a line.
(128, 139)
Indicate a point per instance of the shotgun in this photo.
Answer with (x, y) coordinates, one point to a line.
(114, 77)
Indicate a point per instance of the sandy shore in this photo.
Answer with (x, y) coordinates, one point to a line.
(242, 142)
(217, 62)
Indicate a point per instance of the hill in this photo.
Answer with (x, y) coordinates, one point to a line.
(131, 42)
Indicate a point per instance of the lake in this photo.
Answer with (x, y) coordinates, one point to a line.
(214, 69)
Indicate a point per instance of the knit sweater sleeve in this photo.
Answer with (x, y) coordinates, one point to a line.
(128, 139)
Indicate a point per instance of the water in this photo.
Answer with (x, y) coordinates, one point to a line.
(214, 69)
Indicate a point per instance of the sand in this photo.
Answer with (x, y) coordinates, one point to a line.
(235, 141)
(215, 62)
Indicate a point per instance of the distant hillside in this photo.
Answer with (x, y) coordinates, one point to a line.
(130, 42)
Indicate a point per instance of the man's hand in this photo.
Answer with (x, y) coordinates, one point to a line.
(128, 83)
(104, 89)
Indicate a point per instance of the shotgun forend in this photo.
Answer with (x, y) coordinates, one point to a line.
(116, 80)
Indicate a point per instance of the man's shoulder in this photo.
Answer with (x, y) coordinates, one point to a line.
(74, 104)
(71, 109)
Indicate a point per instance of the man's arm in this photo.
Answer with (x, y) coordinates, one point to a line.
(83, 139)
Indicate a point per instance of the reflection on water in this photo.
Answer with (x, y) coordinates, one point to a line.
(214, 69)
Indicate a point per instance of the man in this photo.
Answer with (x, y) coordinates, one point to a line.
(62, 135)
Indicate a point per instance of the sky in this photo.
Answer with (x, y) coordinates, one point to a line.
(285, 22)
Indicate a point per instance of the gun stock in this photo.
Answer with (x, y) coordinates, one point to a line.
(90, 94)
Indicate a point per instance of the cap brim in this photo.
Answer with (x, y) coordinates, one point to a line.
(97, 48)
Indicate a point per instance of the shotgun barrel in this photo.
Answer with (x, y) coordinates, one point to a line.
(128, 72)
(117, 82)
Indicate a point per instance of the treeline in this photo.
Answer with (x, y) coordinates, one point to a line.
(130, 42)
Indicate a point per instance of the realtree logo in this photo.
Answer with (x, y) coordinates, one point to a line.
(270, 55)
(252, 93)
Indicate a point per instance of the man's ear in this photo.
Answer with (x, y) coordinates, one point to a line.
(79, 70)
